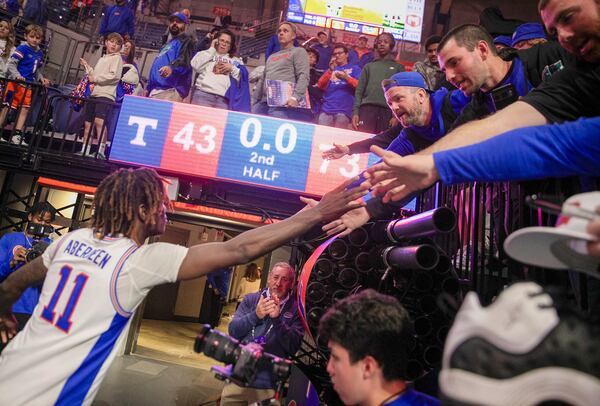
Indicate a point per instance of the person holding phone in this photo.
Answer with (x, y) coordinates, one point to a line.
(268, 318)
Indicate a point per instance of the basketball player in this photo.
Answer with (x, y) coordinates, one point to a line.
(96, 277)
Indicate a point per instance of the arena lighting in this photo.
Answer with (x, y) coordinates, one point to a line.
(210, 212)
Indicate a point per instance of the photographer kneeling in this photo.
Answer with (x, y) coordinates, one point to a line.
(20, 247)
(269, 318)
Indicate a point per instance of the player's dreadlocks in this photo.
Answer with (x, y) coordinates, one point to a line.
(120, 194)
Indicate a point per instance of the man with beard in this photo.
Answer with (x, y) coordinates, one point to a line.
(118, 18)
(424, 117)
(171, 73)
(370, 113)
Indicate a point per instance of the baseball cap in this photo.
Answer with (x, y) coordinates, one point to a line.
(503, 39)
(410, 79)
(181, 16)
(527, 31)
(563, 246)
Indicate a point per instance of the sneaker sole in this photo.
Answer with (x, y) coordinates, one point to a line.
(531, 388)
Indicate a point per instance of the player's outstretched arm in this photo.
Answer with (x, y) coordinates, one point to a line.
(204, 258)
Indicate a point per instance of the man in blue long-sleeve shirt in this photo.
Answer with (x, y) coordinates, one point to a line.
(13, 252)
(269, 318)
(118, 18)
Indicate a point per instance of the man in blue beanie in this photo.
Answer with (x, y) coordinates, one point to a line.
(527, 35)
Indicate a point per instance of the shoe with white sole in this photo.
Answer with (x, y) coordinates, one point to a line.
(524, 349)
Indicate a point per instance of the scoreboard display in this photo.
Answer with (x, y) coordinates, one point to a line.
(239, 147)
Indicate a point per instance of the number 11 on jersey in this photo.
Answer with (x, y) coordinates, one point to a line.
(63, 322)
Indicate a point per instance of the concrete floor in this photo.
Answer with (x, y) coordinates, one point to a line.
(163, 370)
(136, 381)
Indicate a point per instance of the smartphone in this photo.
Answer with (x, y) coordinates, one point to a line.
(503, 96)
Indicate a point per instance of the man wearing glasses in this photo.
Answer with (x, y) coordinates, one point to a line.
(268, 318)
(338, 84)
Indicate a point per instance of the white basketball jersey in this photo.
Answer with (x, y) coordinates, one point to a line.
(89, 294)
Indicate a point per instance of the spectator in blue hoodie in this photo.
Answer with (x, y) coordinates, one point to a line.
(118, 18)
(36, 12)
(13, 252)
(171, 73)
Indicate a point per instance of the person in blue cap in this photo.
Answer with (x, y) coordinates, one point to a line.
(424, 116)
(171, 73)
(502, 41)
(527, 35)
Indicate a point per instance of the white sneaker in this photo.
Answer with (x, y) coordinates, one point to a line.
(18, 139)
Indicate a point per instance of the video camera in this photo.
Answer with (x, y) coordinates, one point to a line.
(246, 360)
(38, 231)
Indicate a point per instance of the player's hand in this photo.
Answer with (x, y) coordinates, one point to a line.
(397, 177)
(355, 122)
(165, 71)
(594, 229)
(338, 151)
(45, 82)
(340, 200)
(21, 78)
(291, 102)
(348, 222)
(8, 327)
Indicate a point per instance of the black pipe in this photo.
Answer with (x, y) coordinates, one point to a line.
(440, 220)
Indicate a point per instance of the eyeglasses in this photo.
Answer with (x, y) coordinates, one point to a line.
(339, 53)
(225, 42)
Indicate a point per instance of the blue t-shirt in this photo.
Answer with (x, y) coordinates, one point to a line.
(29, 61)
(324, 56)
(413, 398)
(29, 299)
(338, 96)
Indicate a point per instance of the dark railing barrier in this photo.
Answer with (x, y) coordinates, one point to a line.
(68, 130)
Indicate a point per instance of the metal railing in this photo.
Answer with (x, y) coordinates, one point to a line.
(253, 46)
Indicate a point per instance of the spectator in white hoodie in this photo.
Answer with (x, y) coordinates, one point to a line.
(215, 67)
